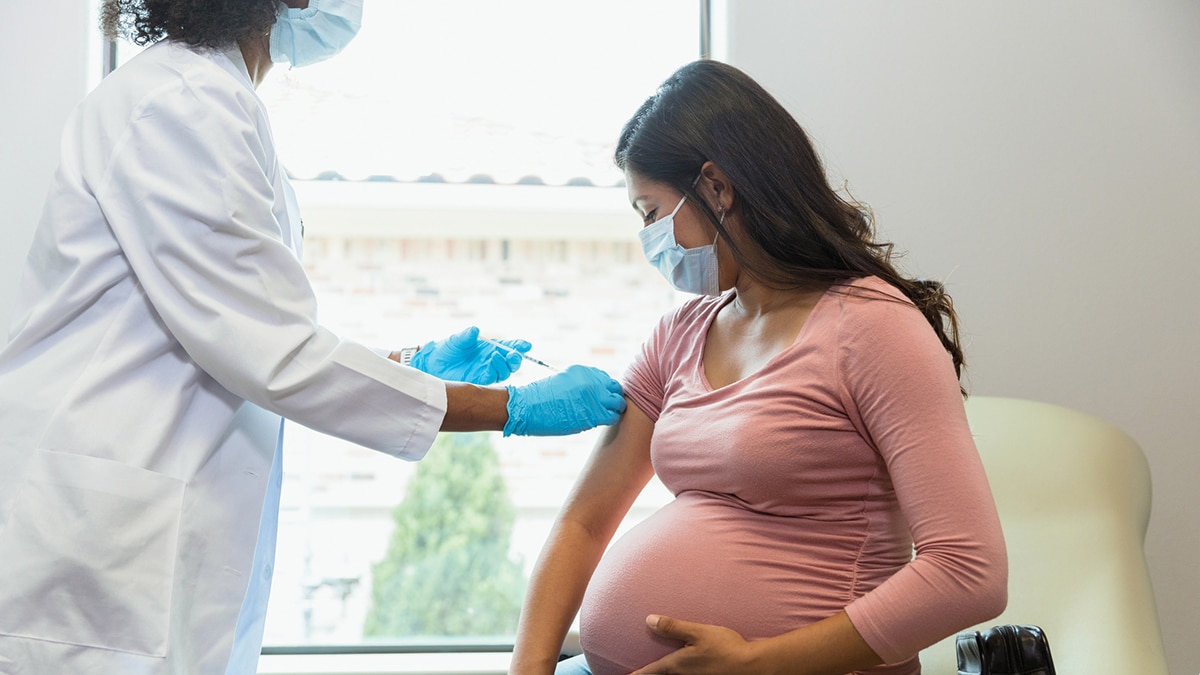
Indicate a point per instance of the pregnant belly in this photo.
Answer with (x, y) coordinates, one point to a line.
(707, 559)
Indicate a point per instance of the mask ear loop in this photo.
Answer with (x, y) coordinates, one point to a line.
(675, 210)
(720, 221)
(720, 216)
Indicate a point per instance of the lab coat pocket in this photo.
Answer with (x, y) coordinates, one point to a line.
(88, 554)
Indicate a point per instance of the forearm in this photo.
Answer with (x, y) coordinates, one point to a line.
(474, 408)
(555, 593)
(832, 646)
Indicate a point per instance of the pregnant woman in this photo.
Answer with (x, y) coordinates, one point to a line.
(831, 513)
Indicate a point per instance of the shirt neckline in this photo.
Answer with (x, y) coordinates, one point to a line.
(712, 316)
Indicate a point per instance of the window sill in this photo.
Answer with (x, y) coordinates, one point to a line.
(457, 663)
(408, 663)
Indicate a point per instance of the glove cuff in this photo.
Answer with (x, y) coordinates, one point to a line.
(515, 423)
(420, 358)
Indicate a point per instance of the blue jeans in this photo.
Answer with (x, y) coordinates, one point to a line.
(575, 665)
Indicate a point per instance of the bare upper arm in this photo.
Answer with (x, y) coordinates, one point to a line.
(615, 474)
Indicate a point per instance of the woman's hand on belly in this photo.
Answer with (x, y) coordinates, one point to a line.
(707, 649)
(827, 647)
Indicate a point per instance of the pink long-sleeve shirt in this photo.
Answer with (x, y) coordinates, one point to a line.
(803, 489)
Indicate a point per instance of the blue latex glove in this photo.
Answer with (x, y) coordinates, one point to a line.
(464, 357)
(575, 400)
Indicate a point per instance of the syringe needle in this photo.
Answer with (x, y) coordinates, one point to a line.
(523, 354)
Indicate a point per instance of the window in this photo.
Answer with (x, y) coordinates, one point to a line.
(454, 168)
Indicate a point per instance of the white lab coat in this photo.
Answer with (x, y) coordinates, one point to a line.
(164, 328)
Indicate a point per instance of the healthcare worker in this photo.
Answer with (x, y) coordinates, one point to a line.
(165, 328)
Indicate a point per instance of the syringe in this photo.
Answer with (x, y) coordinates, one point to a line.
(523, 354)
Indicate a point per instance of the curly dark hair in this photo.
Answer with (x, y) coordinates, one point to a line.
(214, 24)
(798, 232)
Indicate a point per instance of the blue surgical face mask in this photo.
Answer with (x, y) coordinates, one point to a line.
(691, 270)
(315, 33)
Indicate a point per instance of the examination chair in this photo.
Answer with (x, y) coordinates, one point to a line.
(1074, 498)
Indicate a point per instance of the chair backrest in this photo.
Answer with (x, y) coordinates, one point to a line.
(1073, 494)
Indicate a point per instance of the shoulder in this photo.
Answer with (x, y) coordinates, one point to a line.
(169, 77)
(875, 317)
(175, 111)
(871, 300)
(869, 289)
(680, 330)
(694, 314)
(889, 357)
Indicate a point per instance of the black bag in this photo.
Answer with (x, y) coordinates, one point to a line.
(1004, 650)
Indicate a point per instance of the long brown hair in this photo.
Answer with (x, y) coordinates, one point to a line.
(796, 231)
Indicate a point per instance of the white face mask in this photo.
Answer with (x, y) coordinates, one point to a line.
(691, 270)
(315, 33)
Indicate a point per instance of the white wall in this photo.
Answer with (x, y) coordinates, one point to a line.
(1045, 156)
(42, 77)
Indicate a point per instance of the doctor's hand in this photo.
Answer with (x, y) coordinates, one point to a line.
(707, 650)
(577, 399)
(465, 357)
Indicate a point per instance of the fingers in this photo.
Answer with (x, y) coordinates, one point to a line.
(666, 627)
(496, 368)
(464, 339)
(519, 345)
(576, 371)
(504, 361)
(577, 399)
(595, 375)
(607, 392)
(606, 418)
(509, 354)
(657, 668)
(611, 396)
(676, 629)
(613, 402)
(513, 360)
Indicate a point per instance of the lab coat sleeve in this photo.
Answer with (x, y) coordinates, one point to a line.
(189, 191)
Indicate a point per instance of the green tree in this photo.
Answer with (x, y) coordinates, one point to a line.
(447, 570)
